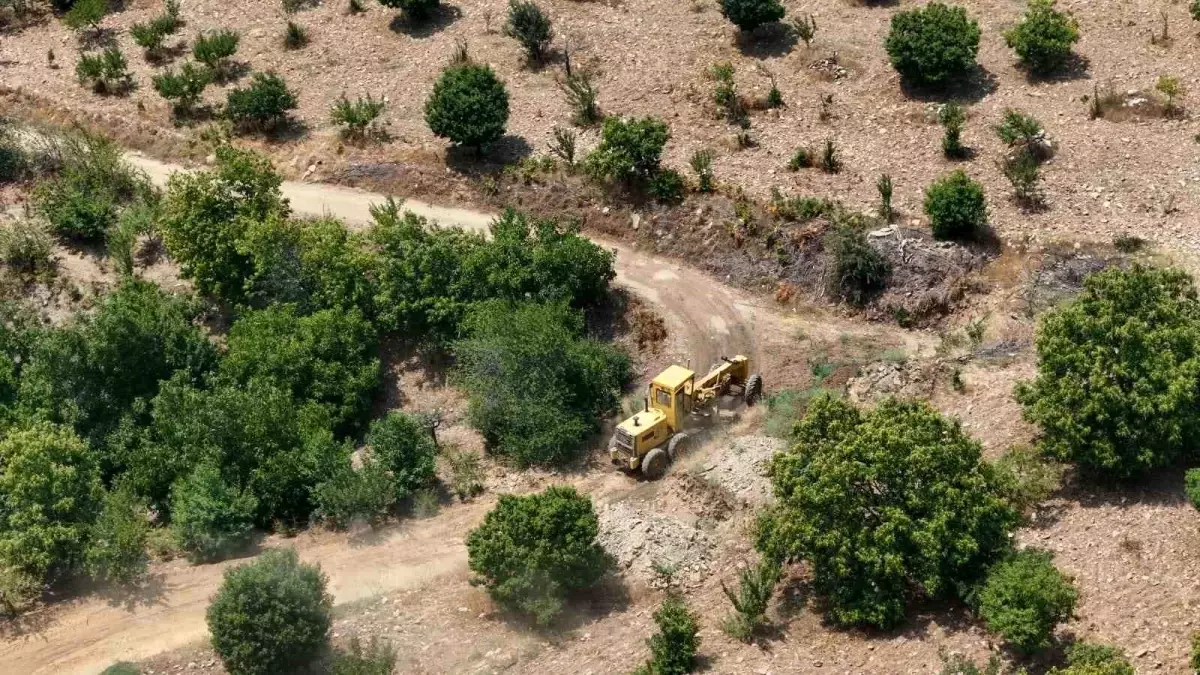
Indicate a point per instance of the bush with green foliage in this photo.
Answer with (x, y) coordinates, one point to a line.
(414, 11)
(530, 26)
(1026, 477)
(666, 186)
(86, 14)
(52, 492)
(933, 517)
(1043, 38)
(955, 206)
(328, 358)
(1024, 597)
(468, 105)
(106, 364)
(1019, 130)
(378, 658)
(857, 271)
(1191, 486)
(214, 50)
(1085, 658)
(368, 493)
(150, 37)
(358, 119)
(753, 597)
(271, 616)
(261, 106)
(1140, 323)
(537, 388)
(211, 519)
(1194, 656)
(933, 45)
(184, 88)
(206, 215)
(404, 446)
(630, 150)
(295, 36)
(116, 549)
(674, 648)
(748, 15)
(953, 117)
(26, 246)
(530, 552)
(107, 73)
(92, 183)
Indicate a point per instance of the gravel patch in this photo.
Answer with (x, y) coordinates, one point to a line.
(646, 544)
(741, 469)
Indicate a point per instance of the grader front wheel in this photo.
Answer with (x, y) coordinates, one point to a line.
(654, 464)
(678, 444)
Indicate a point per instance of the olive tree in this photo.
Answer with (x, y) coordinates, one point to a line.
(1024, 597)
(1116, 387)
(1043, 38)
(933, 45)
(468, 105)
(883, 502)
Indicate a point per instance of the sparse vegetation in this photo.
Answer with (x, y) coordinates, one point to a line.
(725, 94)
(214, 50)
(183, 88)
(1044, 37)
(1027, 478)
(750, 602)
(105, 73)
(581, 96)
(831, 162)
(884, 185)
(529, 25)
(468, 105)
(701, 163)
(802, 158)
(86, 15)
(295, 36)
(358, 119)
(955, 206)
(857, 271)
(806, 28)
(934, 45)
(26, 246)
(531, 551)
(1168, 86)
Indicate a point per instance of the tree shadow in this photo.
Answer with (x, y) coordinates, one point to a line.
(767, 41)
(167, 55)
(1075, 68)
(101, 38)
(231, 72)
(443, 16)
(973, 88)
(145, 592)
(474, 163)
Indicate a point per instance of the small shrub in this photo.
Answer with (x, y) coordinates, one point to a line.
(379, 658)
(357, 118)
(955, 206)
(581, 96)
(468, 105)
(405, 447)
(1128, 243)
(564, 144)
(1026, 478)
(150, 37)
(953, 117)
(1191, 485)
(106, 73)
(1019, 130)
(725, 94)
(933, 45)
(211, 519)
(1194, 660)
(26, 246)
(295, 36)
(122, 668)
(748, 15)
(1024, 597)
(884, 185)
(182, 89)
(830, 161)
(701, 163)
(802, 158)
(117, 543)
(1043, 38)
(270, 616)
(531, 551)
(666, 186)
(1194, 10)
(753, 597)
(215, 50)
(1168, 85)
(630, 149)
(86, 14)
(413, 11)
(529, 26)
(1085, 658)
(368, 493)
(1022, 170)
(261, 106)
(806, 28)
(466, 473)
(673, 649)
(858, 271)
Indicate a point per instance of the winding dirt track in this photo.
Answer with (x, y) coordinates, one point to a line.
(86, 635)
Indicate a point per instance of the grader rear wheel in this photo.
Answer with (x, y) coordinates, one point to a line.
(679, 443)
(654, 464)
(754, 388)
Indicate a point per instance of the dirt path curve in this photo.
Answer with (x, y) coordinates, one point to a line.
(86, 635)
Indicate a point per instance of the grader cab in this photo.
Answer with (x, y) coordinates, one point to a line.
(651, 439)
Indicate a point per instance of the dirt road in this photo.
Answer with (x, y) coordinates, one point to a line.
(88, 634)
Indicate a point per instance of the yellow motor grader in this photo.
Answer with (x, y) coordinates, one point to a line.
(651, 439)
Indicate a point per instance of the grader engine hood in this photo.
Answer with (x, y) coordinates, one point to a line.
(627, 439)
(642, 422)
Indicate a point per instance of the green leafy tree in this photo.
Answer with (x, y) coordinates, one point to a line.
(468, 105)
(1117, 371)
(215, 50)
(107, 364)
(630, 149)
(1024, 597)
(51, 491)
(206, 215)
(750, 14)
(117, 542)
(271, 616)
(263, 105)
(1085, 658)
(86, 14)
(883, 502)
(368, 493)
(675, 646)
(182, 89)
(328, 358)
(933, 45)
(956, 206)
(404, 447)
(536, 388)
(530, 26)
(210, 518)
(106, 73)
(531, 551)
(1043, 38)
